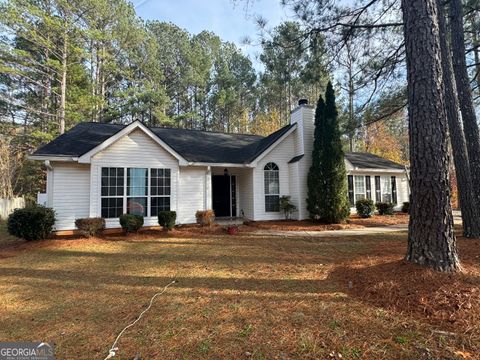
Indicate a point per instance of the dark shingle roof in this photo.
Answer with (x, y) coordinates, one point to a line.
(363, 160)
(193, 145)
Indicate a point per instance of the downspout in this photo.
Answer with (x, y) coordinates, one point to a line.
(48, 165)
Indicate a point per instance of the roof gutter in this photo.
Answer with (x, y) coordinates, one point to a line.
(212, 164)
(378, 170)
(52, 158)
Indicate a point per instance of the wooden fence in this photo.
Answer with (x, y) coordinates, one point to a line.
(8, 205)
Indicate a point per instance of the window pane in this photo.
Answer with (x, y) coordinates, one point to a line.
(137, 206)
(137, 181)
(360, 186)
(272, 203)
(160, 182)
(112, 207)
(272, 186)
(359, 197)
(386, 189)
(112, 182)
(159, 204)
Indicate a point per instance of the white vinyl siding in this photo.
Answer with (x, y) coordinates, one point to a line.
(302, 144)
(385, 185)
(70, 194)
(191, 193)
(279, 155)
(245, 192)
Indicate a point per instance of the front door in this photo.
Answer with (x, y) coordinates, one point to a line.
(222, 189)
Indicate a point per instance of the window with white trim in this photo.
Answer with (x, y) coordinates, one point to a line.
(112, 192)
(272, 187)
(360, 189)
(160, 180)
(145, 191)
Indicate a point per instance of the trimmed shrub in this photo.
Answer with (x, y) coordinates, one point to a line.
(33, 222)
(205, 217)
(365, 207)
(166, 219)
(287, 206)
(385, 208)
(406, 207)
(89, 227)
(131, 222)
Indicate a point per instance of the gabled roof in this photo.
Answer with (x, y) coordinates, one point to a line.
(192, 145)
(361, 160)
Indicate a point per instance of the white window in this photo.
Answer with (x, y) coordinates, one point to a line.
(112, 192)
(145, 191)
(272, 187)
(360, 189)
(386, 188)
(160, 190)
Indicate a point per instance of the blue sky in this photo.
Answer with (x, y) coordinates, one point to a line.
(230, 20)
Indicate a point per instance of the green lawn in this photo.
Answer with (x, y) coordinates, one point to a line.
(236, 297)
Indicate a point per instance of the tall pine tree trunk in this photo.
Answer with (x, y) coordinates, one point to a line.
(431, 239)
(464, 91)
(470, 211)
(63, 82)
(476, 52)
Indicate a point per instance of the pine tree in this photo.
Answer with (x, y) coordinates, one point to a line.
(327, 181)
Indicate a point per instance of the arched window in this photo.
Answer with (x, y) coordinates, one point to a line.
(272, 187)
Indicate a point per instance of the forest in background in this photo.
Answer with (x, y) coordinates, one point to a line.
(63, 62)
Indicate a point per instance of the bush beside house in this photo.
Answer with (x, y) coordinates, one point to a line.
(167, 219)
(33, 222)
(287, 206)
(365, 208)
(89, 227)
(385, 208)
(131, 223)
(205, 217)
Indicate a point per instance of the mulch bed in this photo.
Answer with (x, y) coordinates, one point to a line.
(302, 225)
(449, 300)
(354, 222)
(380, 220)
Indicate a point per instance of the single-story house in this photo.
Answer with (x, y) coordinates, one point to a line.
(105, 170)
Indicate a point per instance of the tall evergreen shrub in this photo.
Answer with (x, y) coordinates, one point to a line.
(327, 178)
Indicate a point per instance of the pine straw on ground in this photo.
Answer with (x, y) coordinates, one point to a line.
(451, 301)
(240, 297)
(353, 222)
(379, 220)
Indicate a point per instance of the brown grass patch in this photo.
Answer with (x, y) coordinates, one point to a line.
(239, 297)
(451, 301)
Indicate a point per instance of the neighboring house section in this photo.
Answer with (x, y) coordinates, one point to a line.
(376, 178)
(105, 170)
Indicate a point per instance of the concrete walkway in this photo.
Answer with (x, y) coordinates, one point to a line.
(334, 233)
(347, 232)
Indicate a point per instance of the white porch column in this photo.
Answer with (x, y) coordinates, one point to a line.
(208, 189)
